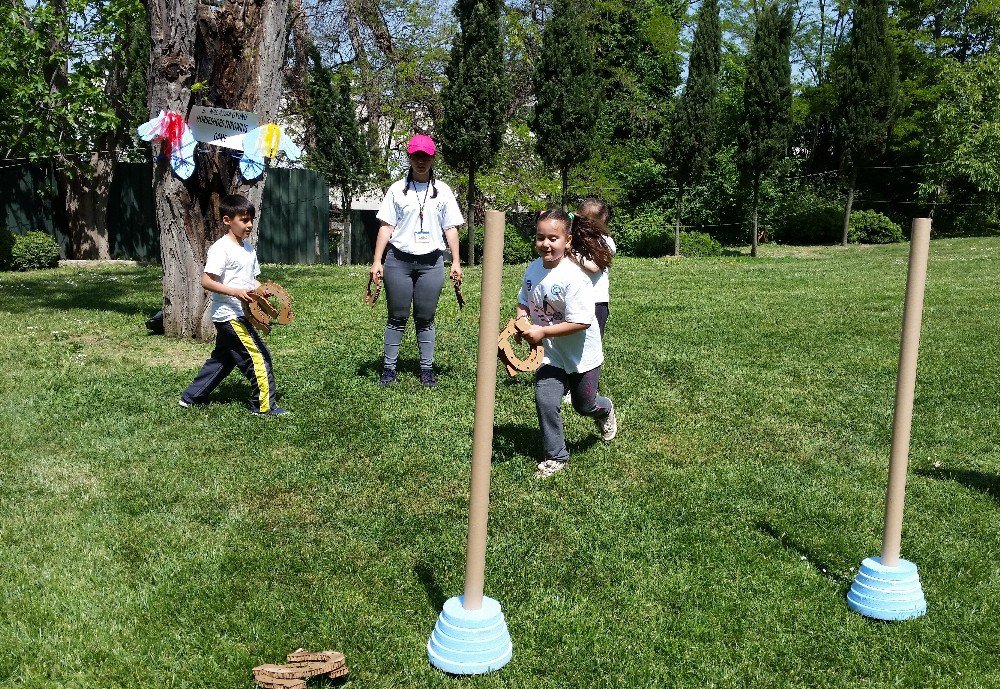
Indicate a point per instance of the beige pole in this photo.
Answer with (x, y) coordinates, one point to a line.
(916, 276)
(486, 388)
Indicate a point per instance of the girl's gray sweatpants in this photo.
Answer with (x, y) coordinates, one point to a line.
(414, 280)
(551, 383)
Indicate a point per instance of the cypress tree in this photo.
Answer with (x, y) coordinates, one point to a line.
(767, 101)
(691, 136)
(566, 92)
(867, 91)
(339, 152)
(475, 97)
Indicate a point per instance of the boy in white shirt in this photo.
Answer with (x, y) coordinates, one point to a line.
(231, 271)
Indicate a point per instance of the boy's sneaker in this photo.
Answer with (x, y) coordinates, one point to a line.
(607, 427)
(273, 411)
(186, 405)
(427, 378)
(388, 377)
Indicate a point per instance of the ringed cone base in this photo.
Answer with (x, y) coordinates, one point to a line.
(470, 642)
(887, 593)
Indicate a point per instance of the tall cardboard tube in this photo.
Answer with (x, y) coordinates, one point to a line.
(482, 434)
(916, 276)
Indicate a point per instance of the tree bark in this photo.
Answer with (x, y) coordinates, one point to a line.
(677, 224)
(237, 51)
(756, 199)
(84, 188)
(850, 202)
(469, 218)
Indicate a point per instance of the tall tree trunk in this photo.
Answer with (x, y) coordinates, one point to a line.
(565, 187)
(677, 224)
(84, 188)
(345, 235)
(850, 202)
(238, 51)
(756, 200)
(470, 217)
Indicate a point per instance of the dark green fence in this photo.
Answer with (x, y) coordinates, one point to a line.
(293, 223)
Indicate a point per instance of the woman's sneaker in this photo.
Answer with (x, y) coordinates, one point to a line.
(427, 378)
(273, 411)
(607, 426)
(549, 467)
(388, 377)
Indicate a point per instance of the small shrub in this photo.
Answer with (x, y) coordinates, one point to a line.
(806, 217)
(34, 251)
(699, 244)
(6, 247)
(872, 227)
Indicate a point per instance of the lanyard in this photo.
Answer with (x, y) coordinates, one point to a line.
(423, 203)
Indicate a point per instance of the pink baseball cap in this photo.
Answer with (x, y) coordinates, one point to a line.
(421, 143)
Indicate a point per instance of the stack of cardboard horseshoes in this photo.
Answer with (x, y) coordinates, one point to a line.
(302, 665)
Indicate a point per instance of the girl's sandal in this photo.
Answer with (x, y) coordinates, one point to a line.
(549, 467)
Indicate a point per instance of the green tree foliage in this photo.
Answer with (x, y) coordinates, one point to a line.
(567, 95)
(692, 134)
(767, 101)
(867, 91)
(340, 153)
(54, 68)
(475, 96)
(638, 62)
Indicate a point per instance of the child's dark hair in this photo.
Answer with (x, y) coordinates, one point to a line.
(409, 179)
(236, 205)
(597, 208)
(587, 235)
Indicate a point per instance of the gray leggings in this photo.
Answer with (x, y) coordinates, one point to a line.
(551, 383)
(411, 280)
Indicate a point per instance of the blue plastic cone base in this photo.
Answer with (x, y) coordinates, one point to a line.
(887, 593)
(470, 642)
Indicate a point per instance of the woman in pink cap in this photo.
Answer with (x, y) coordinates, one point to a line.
(419, 217)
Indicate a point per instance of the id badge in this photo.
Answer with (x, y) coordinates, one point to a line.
(422, 237)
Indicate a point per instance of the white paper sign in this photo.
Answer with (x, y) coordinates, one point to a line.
(221, 127)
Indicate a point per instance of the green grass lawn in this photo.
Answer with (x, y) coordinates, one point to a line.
(710, 545)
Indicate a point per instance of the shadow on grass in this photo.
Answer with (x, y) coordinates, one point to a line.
(987, 484)
(407, 366)
(425, 575)
(511, 440)
(50, 294)
(821, 566)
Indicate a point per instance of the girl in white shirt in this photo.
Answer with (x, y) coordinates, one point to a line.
(419, 215)
(559, 298)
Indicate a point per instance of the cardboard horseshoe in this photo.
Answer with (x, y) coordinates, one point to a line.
(506, 353)
(458, 291)
(263, 313)
(371, 296)
(302, 665)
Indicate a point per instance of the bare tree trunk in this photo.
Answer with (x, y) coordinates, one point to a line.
(677, 224)
(238, 51)
(756, 200)
(345, 235)
(565, 187)
(84, 188)
(470, 216)
(850, 202)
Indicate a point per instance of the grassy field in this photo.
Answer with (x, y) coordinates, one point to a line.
(711, 545)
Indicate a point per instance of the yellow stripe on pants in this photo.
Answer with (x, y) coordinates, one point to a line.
(259, 369)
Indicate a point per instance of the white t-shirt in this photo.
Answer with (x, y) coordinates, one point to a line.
(559, 295)
(236, 266)
(602, 285)
(402, 211)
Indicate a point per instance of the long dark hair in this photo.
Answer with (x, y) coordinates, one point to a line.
(587, 235)
(409, 180)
